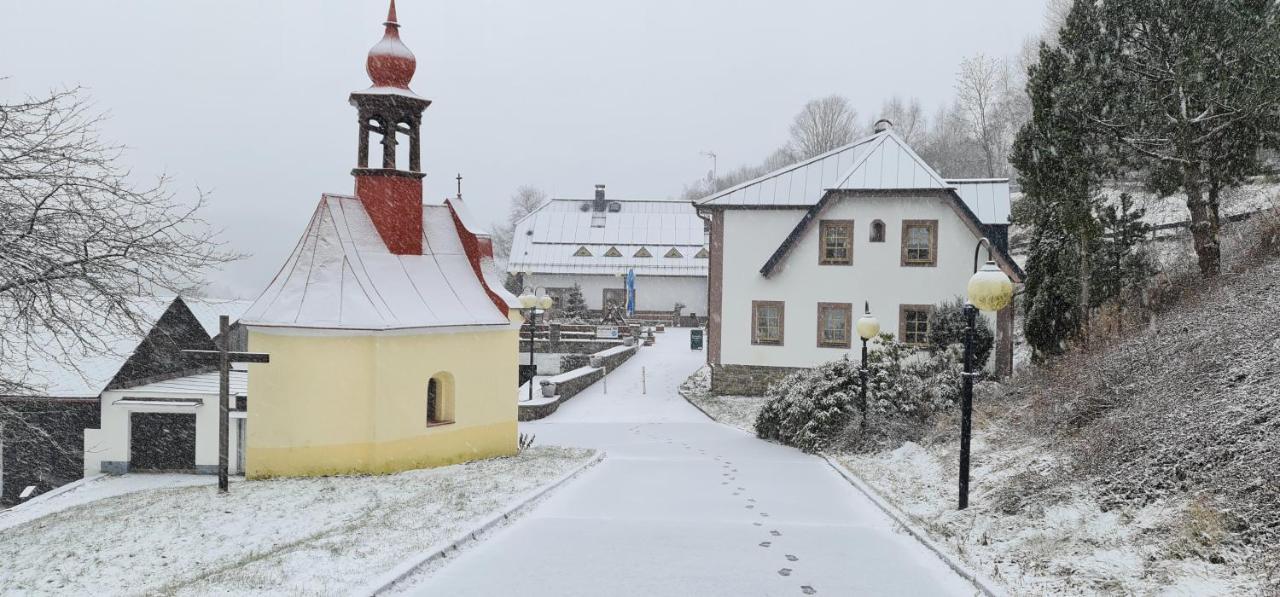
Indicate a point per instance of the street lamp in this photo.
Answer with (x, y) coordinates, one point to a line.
(531, 304)
(989, 290)
(868, 327)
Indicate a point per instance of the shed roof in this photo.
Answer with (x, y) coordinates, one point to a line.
(548, 240)
(342, 276)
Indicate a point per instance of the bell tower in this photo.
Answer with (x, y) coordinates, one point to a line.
(391, 192)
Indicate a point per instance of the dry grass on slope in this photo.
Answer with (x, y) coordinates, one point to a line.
(1187, 408)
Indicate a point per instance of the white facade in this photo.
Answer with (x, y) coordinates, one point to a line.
(594, 242)
(766, 246)
(653, 293)
(109, 447)
(877, 276)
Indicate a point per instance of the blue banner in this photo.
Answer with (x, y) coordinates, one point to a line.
(631, 293)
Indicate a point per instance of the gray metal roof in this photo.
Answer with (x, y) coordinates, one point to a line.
(548, 239)
(881, 162)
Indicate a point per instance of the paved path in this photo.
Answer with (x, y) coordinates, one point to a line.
(684, 506)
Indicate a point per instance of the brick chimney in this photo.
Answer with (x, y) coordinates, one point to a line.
(599, 203)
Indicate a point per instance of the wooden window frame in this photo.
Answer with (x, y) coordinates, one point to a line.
(884, 231)
(902, 323)
(847, 308)
(782, 322)
(823, 227)
(932, 226)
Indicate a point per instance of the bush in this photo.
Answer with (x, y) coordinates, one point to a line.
(947, 327)
(814, 409)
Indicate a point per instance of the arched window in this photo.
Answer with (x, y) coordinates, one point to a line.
(877, 231)
(439, 400)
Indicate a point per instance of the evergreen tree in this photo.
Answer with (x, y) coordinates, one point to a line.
(947, 327)
(1120, 265)
(1185, 90)
(575, 305)
(1059, 168)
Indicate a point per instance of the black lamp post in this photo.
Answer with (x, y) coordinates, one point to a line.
(531, 304)
(868, 328)
(989, 290)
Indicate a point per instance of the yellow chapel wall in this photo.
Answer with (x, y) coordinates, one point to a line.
(357, 404)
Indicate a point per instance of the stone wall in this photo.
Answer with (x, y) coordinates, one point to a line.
(745, 380)
(570, 383)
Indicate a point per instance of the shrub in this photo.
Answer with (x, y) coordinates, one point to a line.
(947, 327)
(813, 409)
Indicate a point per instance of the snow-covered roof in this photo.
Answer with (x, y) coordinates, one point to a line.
(342, 276)
(91, 370)
(207, 310)
(200, 384)
(880, 162)
(552, 239)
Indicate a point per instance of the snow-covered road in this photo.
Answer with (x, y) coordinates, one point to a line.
(685, 506)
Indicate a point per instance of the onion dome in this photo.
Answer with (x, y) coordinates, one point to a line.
(390, 63)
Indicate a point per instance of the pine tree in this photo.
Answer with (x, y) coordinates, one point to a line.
(575, 305)
(1121, 266)
(1059, 169)
(1185, 90)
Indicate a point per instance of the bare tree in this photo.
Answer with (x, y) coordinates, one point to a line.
(822, 125)
(78, 240)
(907, 117)
(981, 83)
(525, 200)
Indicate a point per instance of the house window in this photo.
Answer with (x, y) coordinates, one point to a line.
(913, 324)
(767, 322)
(835, 327)
(920, 243)
(674, 254)
(439, 401)
(877, 231)
(643, 252)
(836, 245)
(702, 254)
(613, 252)
(582, 252)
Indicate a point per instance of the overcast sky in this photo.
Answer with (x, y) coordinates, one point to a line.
(248, 98)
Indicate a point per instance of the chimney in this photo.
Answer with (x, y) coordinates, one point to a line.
(599, 203)
(883, 125)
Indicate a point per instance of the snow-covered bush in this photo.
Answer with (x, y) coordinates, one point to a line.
(814, 409)
(947, 327)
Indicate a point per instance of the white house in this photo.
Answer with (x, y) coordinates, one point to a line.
(796, 252)
(593, 242)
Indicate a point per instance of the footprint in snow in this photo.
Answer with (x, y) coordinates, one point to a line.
(775, 533)
(791, 558)
(785, 572)
(808, 590)
(765, 543)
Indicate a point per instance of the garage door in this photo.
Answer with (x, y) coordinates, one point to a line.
(162, 442)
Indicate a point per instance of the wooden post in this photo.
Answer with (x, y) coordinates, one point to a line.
(224, 357)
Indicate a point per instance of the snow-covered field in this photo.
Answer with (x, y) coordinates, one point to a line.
(319, 536)
(736, 411)
(1067, 547)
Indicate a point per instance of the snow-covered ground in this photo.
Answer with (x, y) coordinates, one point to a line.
(1068, 547)
(148, 534)
(738, 411)
(685, 506)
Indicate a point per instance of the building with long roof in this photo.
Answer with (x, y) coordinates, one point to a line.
(796, 254)
(391, 345)
(594, 243)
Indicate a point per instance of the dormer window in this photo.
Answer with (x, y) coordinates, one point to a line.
(702, 254)
(673, 254)
(613, 252)
(582, 252)
(643, 252)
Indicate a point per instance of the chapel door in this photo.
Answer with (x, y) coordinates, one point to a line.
(162, 442)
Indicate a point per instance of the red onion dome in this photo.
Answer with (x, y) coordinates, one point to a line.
(390, 63)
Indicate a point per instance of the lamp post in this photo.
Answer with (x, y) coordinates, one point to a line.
(989, 290)
(868, 327)
(531, 304)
